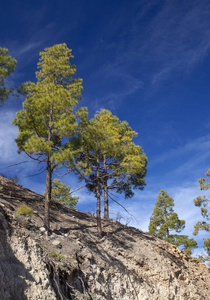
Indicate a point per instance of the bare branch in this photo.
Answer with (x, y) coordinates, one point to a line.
(37, 159)
(121, 206)
(22, 162)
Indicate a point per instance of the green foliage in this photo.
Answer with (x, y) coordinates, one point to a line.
(108, 159)
(184, 243)
(61, 193)
(203, 203)
(104, 152)
(7, 66)
(164, 220)
(203, 257)
(57, 255)
(49, 113)
(14, 179)
(24, 211)
(107, 156)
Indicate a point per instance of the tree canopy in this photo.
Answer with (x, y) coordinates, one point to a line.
(203, 202)
(49, 111)
(61, 193)
(107, 158)
(7, 66)
(164, 222)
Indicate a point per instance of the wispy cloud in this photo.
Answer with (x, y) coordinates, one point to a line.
(195, 150)
(178, 37)
(24, 49)
(156, 42)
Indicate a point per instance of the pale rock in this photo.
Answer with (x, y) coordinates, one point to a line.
(56, 243)
(42, 229)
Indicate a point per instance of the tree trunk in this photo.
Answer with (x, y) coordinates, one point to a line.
(48, 194)
(98, 187)
(106, 200)
(48, 177)
(167, 230)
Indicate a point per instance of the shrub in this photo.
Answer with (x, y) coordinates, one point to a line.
(24, 210)
(57, 255)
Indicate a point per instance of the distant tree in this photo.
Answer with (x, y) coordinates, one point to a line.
(164, 221)
(203, 202)
(108, 159)
(183, 242)
(61, 193)
(14, 179)
(49, 113)
(7, 66)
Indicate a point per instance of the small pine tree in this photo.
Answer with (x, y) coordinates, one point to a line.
(203, 203)
(164, 220)
(61, 193)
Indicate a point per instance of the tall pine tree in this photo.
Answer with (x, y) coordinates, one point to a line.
(204, 203)
(164, 222)
(49, 111)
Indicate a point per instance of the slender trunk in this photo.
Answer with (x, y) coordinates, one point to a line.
(48, 194)
(48, 178)
(165, 221)
(106, 200)
(98, 187)
(167, 230)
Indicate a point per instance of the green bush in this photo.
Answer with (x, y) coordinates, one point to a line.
(24, 210)
(57, 255)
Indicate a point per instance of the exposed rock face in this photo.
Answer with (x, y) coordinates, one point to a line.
(73, 263)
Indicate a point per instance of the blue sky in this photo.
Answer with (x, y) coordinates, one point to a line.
(149, 63)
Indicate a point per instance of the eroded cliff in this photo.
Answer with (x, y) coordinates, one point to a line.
(73, 263)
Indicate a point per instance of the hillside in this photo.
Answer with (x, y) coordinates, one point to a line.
(73, 263)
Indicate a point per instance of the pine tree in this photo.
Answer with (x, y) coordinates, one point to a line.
(49, 112)
(164, 222)
(7, 66)
(61, 193)
(108, 159)
(203, 203)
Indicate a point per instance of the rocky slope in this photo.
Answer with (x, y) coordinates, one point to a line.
(73, 263)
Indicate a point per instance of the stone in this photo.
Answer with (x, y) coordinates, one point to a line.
(42, 229)
(56, 243)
